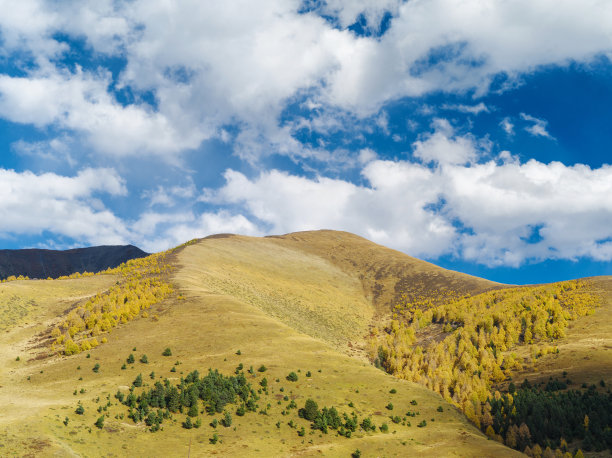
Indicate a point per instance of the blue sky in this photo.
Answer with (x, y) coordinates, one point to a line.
(472, 135)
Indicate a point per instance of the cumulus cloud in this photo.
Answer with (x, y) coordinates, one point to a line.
(79, 101)
(443, 147)
(495, 213)
(63, 205)
(212, 64)
(160, 231)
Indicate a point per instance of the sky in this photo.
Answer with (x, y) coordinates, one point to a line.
(475, 135)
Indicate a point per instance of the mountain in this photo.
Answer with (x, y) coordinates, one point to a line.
(38, 263)
(104, 365)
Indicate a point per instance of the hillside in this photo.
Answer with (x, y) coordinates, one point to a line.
(38, 263)
(283, 320)
(206, 327)
(331, 285)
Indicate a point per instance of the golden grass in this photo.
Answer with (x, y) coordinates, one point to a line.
(388, 276)
(205, 329)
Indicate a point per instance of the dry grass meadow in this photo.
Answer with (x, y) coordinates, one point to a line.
(303, 303)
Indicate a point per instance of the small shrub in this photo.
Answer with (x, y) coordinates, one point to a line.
(356, 454)
(187, 423)
(422, 424)
(238, 352)
(393, 391)
(389, 406)
(440, 409)
(130, 359)
(100, 422)
(214, 439)
(138, 380)
(144, 359)
(308, 374)
(79, 410)
(167, 352)
(262, 368)
(227, 420)
(384, 428)
(368, 425)
(292, 377)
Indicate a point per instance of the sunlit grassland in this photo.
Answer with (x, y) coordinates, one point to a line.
(205, 327)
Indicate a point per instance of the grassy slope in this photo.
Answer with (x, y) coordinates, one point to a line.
(385, 274)
(205, 330)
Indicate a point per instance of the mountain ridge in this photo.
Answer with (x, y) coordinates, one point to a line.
(43, 263)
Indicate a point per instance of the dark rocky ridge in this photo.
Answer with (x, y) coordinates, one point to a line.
(38, 263)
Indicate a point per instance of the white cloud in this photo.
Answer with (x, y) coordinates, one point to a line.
(210, 64)
(538, 126)
(422, 211)
(471, 109)
(33, 203)
(443, 147)
(159, 231)
(507, 125)
(347, 13)
(54, 150)
(167, 195)
(80, 101)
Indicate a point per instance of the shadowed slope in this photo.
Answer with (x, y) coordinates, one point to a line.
(37, 263)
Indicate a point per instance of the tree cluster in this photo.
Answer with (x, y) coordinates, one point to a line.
(142, 285)
(215, 391)
(475, 338)
(550, 417)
